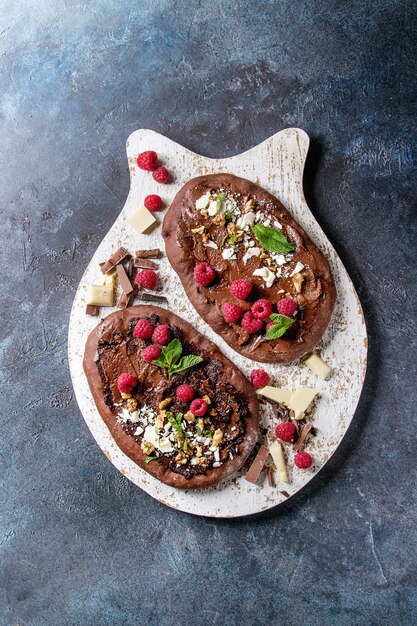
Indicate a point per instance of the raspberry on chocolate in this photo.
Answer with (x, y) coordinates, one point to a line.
(198, 407)
(161, 335)
(147, 160)
(126, 382)
(185, 393)
(151, 353)
(285, 431)
(241, 288)
(303, 460)
(232, 312)
(287, 307)
(204, 274)
(161, 175)
(143, 330)
(146, 279)
(259, 378)
(153, 202)
(262, 309)
(250, 323)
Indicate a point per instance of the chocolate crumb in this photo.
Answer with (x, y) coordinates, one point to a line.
(92, 309)
(271, 478)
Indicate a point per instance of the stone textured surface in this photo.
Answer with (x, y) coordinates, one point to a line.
(79, 543)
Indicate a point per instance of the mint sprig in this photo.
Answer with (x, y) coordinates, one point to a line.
(150, 458)
(219, 201)
(281, 324)
(171, 359)
(176, 423)
(272, 239)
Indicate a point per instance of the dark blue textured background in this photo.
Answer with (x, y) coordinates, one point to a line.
(79, 543)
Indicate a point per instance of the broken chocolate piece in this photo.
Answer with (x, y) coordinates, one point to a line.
(150, 297)
(145, 264)
(92, 309)
(117, 257)
(257, 466)
(285, 493)
(271, 478)
(124, 279)
(154, 253)
(124, 301)
(302, 437)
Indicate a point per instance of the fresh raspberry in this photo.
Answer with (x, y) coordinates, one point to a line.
(185, 393)
(269, 325)
(204, 274)
(241, 288)
(250, 323)
(143, 330)
(232, 312)
(126, 382)
(287, 307)
(198, 407)
(285, 431)
(303, 460)
(161, 335)
(259, 378)
(153, 202)
(146, 279)
(147, 160)
(262, 309)
(161, 175)
(151, 353)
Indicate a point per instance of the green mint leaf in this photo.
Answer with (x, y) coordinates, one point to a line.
(160, 363)
(281, 324)
(228, 215)
(207, 433)
(219, 201)
(272, 239)
(150, 458)
(224, 240)
(232, 240)
(176, 423)
(185, 446)
(186, 362)
(199, 431)
(172, 352)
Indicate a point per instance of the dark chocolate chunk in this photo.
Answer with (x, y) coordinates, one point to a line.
(302, 437)
(117, 257)
(154, 253)
(92, 309)
(124, 279)
(257, 466)
(145, 264)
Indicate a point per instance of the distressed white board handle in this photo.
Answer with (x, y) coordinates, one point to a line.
(277, 164)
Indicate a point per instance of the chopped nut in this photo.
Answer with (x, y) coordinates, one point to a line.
(249, 205)
(217, 437)
(147, 447)
(200, 422)
(202, 461)
(189, 417)
(199, 451)
(213, 411)
(198, 231)
(159, 421)
(231, 228)
(206, 399)
(298, 280)
(239, 235)
(219, 219)
(204, 213)
(125, 396)
(165, 403)
(204, 238)
(181, 458)
(131, 404)
(263, 254)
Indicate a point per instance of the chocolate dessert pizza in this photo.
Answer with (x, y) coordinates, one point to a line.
(248, 268)
(173, 403)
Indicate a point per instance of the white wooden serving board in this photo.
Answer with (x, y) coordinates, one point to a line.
(277, 165)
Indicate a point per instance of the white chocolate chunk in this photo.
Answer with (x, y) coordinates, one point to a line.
(100, 295)
(266, 274)
(165, 445)
(301, 400)
(151, 435)
(275, 450)
(276, 394)
(211, 244)
(318, 366)
(213, 209)
(141, 219)
(250, 253)
(203, 201)
(297, 269)
(229, 254)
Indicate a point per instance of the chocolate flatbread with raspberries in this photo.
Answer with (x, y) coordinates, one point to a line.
(188, 444)
(241, 231)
